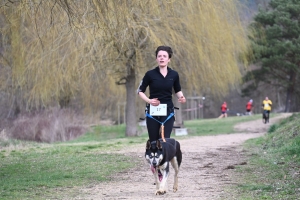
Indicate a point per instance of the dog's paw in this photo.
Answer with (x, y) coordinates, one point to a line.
(175, 187)
(160, 192)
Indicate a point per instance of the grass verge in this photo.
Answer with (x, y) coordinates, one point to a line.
(273, 172)
(216, 126)
(30, 170)
(47, 173)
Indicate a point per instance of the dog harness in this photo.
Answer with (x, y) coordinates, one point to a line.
(162, 124)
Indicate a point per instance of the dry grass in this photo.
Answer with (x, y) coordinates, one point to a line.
(48, 126)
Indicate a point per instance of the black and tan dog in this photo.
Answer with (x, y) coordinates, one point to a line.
(160, 155)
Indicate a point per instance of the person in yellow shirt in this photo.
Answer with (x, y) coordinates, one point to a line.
(267, 107)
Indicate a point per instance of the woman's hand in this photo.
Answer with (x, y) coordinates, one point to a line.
(154, 102)
(182, 99)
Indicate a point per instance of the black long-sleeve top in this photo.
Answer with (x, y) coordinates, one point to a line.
(159, 86)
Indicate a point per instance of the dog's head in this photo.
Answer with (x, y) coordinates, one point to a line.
(154, 153)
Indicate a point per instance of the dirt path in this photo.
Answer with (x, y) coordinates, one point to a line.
(205, 170)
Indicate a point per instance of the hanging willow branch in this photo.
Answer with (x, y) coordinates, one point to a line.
(74, 47)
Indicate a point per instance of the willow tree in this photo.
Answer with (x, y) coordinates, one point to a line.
(206, 35)
(45, 61)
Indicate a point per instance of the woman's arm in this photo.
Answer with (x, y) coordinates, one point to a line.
(181, 98)
(144, 97)
(153, 102)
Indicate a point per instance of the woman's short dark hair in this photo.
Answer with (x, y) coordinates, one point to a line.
(164, 48)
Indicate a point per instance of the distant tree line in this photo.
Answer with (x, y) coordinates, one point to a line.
(276, 46)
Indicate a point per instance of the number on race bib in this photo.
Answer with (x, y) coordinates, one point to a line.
(160, 110)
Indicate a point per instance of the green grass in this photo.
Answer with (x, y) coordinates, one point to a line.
(216, 126)
(30, 170)
(42, 171)
(103, 133)
(273, 172)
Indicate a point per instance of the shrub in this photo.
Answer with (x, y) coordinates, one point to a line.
(48, 126)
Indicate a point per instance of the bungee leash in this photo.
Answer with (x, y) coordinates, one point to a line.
(162, 124)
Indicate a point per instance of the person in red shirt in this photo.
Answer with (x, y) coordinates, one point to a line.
(223, 110)
(249, 107)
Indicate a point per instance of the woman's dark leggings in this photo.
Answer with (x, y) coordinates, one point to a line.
(153, 126)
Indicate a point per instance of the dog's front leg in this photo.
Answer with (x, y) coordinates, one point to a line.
(157, 183)
(162, 187)
(176, 169)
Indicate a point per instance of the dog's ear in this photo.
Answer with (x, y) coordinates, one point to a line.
(148, 144)
(158, 144)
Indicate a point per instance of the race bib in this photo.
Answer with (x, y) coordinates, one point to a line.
(160, 110)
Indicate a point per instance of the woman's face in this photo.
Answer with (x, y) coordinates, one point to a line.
(162, 58)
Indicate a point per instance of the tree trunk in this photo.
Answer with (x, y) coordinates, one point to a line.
(290, 90)
(288, 101)
(131, 123)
